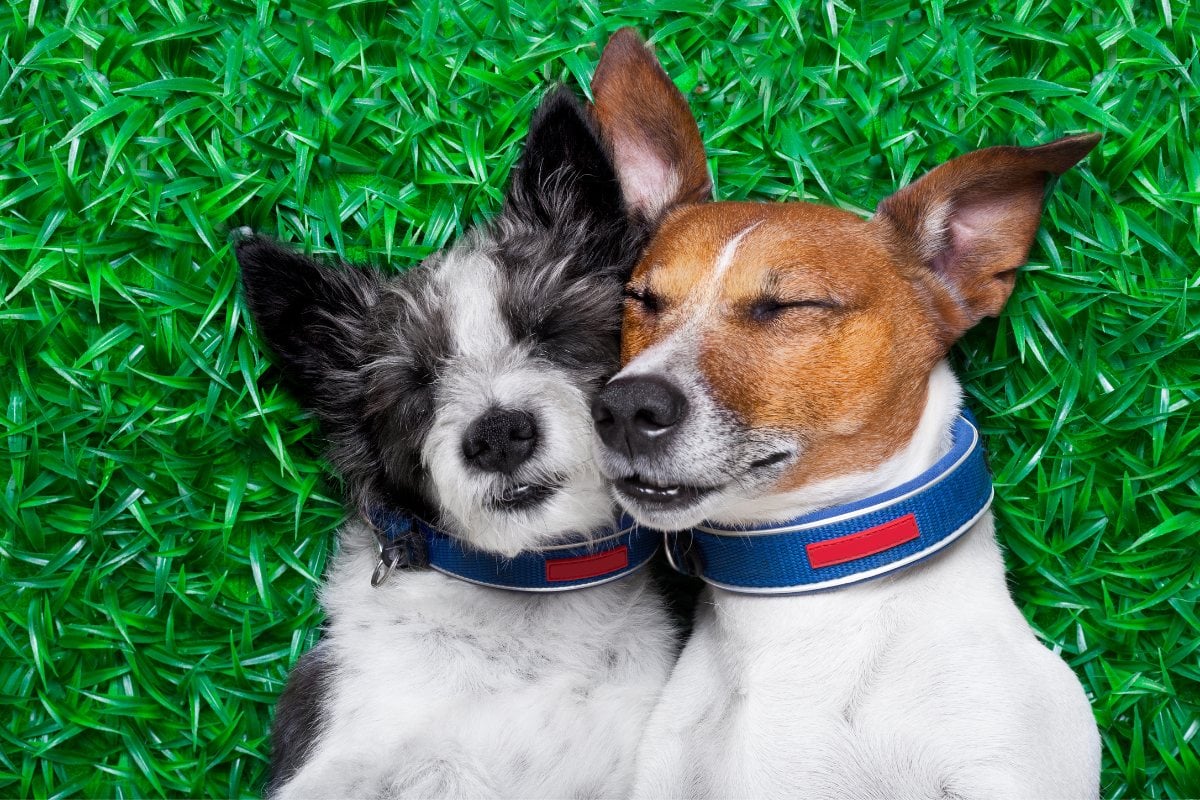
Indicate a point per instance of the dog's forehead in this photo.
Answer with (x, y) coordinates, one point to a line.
(468, 282)
(748, 249)
(694, 244)
(444, 308)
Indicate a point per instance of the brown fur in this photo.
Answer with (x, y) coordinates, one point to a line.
(1002, 188)
(844, 381)
(848, 383)
(646, 120)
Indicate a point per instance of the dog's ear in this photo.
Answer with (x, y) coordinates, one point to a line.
(655, 143)
(309, 313)
(972, 220)
(564, 175)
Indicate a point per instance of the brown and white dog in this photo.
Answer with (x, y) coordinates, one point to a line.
(784, 358)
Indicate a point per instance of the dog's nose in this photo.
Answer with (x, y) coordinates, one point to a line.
(500, 440)
(635, 415)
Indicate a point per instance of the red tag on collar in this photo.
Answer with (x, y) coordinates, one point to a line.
(590, 566)
(864, 543)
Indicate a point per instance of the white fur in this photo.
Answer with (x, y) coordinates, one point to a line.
(446, 689)
(924, 683)
(491, 370)
(709, 445)
(442, 688)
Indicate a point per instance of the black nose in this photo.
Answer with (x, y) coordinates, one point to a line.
(636, 415)
(500, 440)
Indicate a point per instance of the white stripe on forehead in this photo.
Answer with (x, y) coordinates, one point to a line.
(725, 257)
(470, 281)
(707, 293)
(677, 352)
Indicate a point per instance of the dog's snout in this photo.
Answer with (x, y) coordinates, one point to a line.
(635, 415)
(500, 440)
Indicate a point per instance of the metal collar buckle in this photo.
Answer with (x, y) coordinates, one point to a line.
(402, 552)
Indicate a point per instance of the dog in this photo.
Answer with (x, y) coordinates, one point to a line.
(784, 376)
(455, 397)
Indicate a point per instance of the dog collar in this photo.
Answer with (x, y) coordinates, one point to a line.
(408, 541)
(847, 543)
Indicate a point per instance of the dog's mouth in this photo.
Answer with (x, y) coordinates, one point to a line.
(672, 496)
(523, 496)
(661, 495)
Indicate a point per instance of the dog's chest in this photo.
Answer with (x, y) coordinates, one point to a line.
(499, 688)
(867, 693)
(797, 712)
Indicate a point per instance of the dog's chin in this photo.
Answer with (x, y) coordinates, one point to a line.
(529, 516)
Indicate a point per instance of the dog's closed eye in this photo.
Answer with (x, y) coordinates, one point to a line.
(768, 309)
(642, 298)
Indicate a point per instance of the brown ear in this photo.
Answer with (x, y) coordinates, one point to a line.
(646, 121)
(973, 219)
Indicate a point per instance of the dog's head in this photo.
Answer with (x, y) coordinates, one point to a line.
(461, 389)
(770, 347)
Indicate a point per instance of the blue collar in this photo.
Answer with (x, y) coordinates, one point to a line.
(410, 542)
(848, 543)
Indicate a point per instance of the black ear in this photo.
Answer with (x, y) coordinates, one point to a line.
(565, 174)
(310, 314)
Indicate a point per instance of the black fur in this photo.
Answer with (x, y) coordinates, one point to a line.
(680, 592)
(566, 184)
(298, 717)
(364, 349)
(307, 312)
(565, 175)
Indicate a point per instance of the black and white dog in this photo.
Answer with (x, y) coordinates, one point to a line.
(459, 392)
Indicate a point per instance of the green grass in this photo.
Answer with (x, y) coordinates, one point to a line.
(165, 513)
